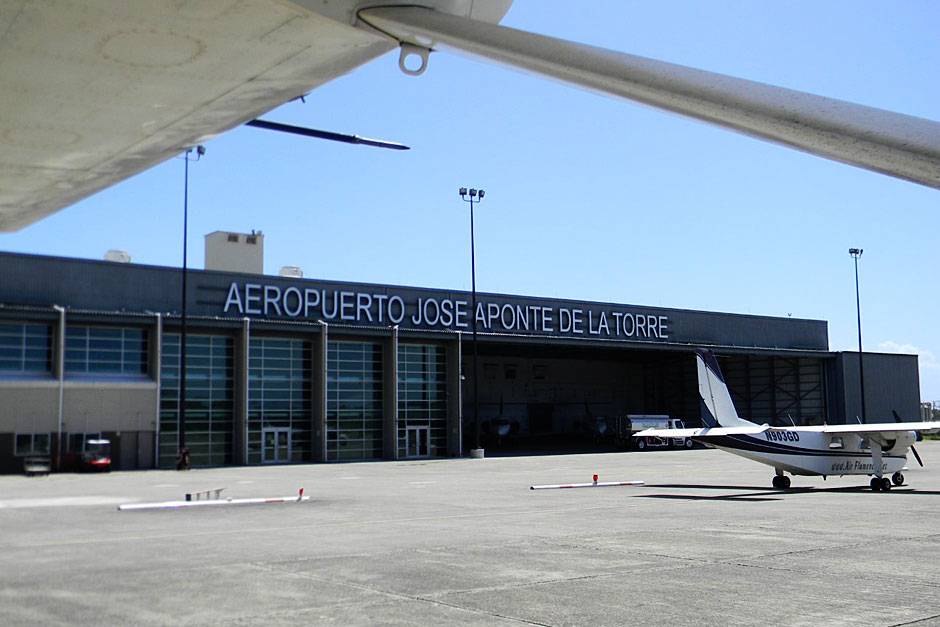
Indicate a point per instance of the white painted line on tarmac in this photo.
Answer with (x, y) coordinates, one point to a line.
(64, 501)
(211, 503)
(215, 502)
(595, 484)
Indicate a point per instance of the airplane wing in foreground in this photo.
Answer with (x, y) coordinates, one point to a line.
(94, 91)
(899, 145)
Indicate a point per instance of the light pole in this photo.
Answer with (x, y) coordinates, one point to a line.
(183, 461)
(856, 253)
(474, 196)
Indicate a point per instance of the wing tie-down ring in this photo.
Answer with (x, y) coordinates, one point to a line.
(413, 50)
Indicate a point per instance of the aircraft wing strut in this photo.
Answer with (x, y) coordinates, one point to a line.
(895, 144)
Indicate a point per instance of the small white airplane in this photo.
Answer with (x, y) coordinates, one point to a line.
(874, 449)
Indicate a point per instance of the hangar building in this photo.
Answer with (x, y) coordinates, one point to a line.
(287, 369)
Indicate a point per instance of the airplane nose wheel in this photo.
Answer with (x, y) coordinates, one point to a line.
(897, 478)
(882, 484)
(781, 482)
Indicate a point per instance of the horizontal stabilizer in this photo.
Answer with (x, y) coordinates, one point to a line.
(700, 433)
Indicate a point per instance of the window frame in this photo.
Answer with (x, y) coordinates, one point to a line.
(33, 437)
(28, 343)
(90, 350)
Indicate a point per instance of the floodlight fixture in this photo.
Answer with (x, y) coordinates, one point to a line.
(856, 253)
(475, 196)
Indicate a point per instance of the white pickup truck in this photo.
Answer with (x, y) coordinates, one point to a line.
(626, 426)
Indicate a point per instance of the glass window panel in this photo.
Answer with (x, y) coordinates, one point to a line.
(105, 332)
(41, 443)
(36, 341)
(353, 373)
(24, 443)
(25, 348)
(34, 353)
(209, 412)
(105, 344)
(106, 350)
(422, 386)
(281, 396)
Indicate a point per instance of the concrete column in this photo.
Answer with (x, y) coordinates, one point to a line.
(318, 355)
(454, 398)
(60, 375)
(240, 400)
(390, 396)
(156, 367)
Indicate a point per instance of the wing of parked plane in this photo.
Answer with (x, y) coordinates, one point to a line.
(95, 91)
(886, 429)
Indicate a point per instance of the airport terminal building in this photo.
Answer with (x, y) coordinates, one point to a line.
(282, 369)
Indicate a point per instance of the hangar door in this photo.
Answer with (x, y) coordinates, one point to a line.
(773, 389)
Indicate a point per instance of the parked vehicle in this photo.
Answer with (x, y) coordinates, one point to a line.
(626, 426)
(97, 456)
(36, 465)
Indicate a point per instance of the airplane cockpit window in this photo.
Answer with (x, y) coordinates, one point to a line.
(836, 443)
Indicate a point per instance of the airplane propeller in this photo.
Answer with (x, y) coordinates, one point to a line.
(897, 418)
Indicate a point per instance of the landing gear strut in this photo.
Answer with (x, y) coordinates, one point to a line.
(882, 484)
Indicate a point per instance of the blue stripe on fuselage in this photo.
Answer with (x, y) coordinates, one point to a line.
(743, 442)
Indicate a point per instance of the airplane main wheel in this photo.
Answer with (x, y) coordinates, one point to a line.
(875, 484)
(781, 482)
(897, 478)
(885, 484)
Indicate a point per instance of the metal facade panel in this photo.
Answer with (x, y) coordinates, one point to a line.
(891, 384)
(112, 287)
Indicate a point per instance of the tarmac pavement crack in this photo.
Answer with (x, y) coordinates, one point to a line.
(400, 595)
(679, 563)
(916, 621)
(840, 547)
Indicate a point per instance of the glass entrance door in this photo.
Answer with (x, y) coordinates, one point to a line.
(417, 442)
(276, 446)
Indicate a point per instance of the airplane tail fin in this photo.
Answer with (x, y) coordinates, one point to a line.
(718, 409)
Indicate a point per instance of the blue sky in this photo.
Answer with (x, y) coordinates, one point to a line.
(587, 197)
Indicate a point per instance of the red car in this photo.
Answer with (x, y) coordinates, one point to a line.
(97, 456)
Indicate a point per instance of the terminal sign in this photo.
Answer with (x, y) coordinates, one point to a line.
(428, 312)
